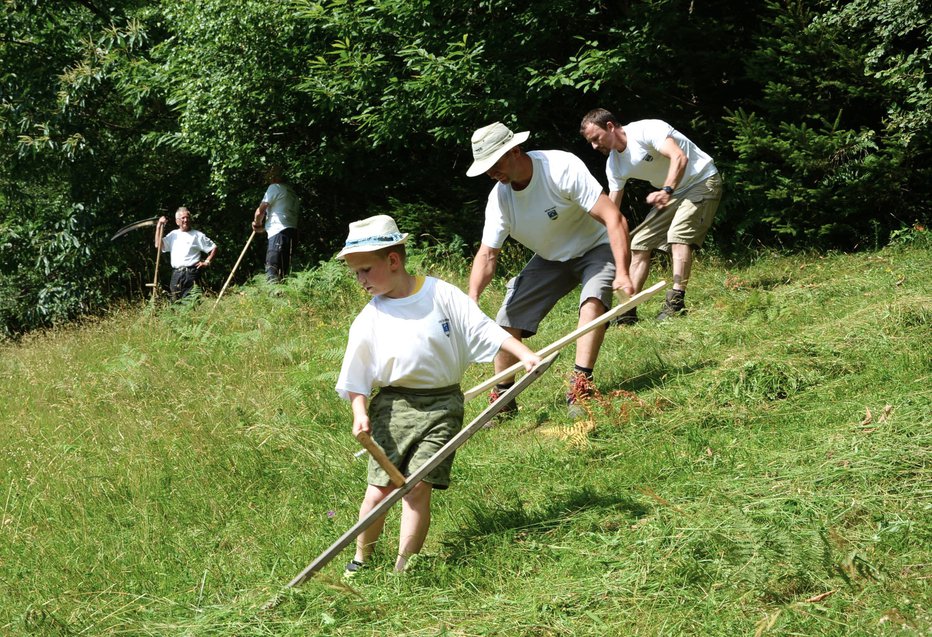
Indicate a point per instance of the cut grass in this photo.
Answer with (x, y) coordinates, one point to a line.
(760, 466)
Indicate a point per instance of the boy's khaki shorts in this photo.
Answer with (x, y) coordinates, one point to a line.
(686, 219)
(411, 425)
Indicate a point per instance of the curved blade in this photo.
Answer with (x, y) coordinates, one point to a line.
(134, 226)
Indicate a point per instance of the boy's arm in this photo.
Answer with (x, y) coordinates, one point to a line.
(522, 352)
(360, 405)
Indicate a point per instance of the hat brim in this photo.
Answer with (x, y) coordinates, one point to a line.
(481, 166)
(372, 247)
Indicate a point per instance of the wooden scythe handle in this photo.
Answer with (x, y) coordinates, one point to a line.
(573, 336)
(158, 254)
(376, 452)
(233, 271)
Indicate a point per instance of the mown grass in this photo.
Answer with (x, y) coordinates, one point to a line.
(761, 466)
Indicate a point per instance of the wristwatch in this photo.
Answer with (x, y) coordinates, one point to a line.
(668, 190)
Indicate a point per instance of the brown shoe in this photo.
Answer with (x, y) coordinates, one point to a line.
(673, 305)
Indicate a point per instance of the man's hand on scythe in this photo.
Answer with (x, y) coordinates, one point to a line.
(258, 219)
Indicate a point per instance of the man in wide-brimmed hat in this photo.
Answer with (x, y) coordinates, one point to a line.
(550, 202)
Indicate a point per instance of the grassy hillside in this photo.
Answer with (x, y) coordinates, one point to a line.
(759, 467)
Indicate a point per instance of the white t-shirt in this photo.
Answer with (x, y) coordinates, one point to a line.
(186, 247)
(642, 159)
(283, 208)
(551, 215)
(426, 340)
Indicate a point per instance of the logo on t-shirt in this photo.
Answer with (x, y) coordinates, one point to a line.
(648, 158)
(552, 213)
(445, 324)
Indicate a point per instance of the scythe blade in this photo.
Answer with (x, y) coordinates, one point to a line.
(134, 226)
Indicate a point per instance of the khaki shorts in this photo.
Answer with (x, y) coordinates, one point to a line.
(411, 425)
(686, 219)
(533, 293)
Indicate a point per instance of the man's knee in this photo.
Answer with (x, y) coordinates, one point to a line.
(515, 332)
(640, 256)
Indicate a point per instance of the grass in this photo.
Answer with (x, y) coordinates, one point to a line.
(758, 467)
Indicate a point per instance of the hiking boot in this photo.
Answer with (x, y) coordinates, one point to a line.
(673, 305)
(509, 410)
(352, 569)
(581, 389)
(628, 318)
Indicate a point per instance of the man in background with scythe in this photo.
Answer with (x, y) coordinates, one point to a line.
(277, 216)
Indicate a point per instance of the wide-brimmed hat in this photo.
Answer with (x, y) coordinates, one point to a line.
(489, 143)
(372, 234)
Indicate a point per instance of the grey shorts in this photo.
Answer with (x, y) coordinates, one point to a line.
(411, 425)
(534, 292)
(686, 219)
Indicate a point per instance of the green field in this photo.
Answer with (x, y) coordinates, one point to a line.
(762, 466)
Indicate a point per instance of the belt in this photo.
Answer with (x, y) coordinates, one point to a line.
(185, 268)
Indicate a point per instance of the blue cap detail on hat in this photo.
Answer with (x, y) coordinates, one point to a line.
(370, 241)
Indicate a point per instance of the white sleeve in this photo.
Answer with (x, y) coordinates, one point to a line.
(656, 133)
(616, 182)
(204, 243)
(483, 336)
(496, 228)
(271, 194)
(358, 369)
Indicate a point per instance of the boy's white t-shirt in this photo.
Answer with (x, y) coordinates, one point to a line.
(283, 208)
(641, 159)
(186, 247)
(551, 215)
(422, 341)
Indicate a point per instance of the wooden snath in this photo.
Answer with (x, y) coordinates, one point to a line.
(455, 443)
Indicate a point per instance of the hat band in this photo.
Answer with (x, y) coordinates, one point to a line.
(369, 241)
(481, 151)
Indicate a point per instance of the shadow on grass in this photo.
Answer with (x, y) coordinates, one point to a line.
(485, 520)
(658, 374)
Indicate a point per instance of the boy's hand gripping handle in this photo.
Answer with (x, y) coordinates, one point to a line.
(376, 452)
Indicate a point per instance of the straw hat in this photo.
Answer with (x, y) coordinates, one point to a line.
(372, 234)
(489, 143)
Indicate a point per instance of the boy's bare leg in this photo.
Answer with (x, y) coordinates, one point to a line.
(415, 521)
(365, 541)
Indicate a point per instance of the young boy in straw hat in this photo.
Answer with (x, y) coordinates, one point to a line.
(413, 341)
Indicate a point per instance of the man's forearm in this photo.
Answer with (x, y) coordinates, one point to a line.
(618, 240)
(483, 268)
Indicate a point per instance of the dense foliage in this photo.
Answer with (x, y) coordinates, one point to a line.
(817, 111)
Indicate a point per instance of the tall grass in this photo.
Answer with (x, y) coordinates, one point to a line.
(760, 466)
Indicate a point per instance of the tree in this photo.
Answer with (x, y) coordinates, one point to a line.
(835, 153)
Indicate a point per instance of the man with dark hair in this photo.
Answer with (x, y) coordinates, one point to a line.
(277, 216)
(550, 202)
(689, 189)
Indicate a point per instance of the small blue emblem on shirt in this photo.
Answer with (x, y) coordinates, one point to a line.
(445, 324)
(552, 213)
